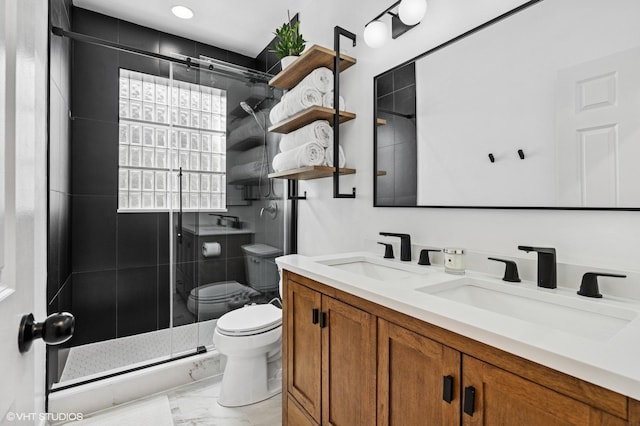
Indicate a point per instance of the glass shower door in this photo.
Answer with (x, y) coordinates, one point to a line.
(198, 162)
(221, 145)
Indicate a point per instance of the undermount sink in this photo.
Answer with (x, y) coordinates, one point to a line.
(590, 319)
(373, 268)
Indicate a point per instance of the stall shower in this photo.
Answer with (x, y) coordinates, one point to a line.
(160, 201)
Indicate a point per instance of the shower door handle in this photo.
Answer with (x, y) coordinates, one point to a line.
(180, 203)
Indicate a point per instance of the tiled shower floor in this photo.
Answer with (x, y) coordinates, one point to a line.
(99, 358)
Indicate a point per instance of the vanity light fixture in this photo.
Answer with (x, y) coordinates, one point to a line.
(409, 14)
(412, 11)
(375, 34)
(182, 12)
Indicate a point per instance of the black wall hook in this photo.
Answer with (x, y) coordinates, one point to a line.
(492, 158)
(521, 154)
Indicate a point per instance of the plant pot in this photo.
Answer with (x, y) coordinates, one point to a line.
(287, 60)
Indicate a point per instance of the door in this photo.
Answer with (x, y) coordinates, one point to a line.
(503, 398)
(348, 365)
(418, 379)
(597, 132)
(23, 55)
(303, 346)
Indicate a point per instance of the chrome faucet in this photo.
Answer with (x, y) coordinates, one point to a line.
(547, 275)
(405, 244)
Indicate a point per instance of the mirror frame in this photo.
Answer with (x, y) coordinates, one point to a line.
(466, 34)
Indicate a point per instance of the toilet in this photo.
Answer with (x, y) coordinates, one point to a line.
(251, 337)
(210, 301)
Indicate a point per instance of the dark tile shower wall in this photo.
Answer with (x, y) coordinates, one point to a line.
(59, 222)
(397, 140)
(119, 261)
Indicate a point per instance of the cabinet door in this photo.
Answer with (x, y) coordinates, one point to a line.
(348, 365)
(296, 415)
(503, 398)
(303, 347)
(412, 371)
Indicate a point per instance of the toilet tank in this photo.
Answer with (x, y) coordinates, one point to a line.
(260, 265)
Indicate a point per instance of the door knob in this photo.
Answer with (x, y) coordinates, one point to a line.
(56, 329)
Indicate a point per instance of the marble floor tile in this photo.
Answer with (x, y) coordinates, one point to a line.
(195, 404)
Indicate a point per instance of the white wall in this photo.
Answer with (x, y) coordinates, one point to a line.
(327, 225)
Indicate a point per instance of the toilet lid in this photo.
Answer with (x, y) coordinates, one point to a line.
(221, 292)
(250, 320)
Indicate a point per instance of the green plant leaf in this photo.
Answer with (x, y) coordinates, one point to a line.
(289, 40)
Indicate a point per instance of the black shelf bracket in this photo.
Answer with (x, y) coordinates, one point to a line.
(292, 188)
(337, 32)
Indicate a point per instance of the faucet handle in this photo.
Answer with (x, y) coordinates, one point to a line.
(589, 285)
(388, 250)
(424, 256)
(510, 270)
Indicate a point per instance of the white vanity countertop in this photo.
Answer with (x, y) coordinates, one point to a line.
(612, 363)
(208, 230)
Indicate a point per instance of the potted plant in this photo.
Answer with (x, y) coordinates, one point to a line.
(290, 42)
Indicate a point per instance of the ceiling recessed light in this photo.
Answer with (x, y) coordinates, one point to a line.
(182, 12)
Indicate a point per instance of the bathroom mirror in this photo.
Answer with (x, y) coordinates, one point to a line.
(536, 109)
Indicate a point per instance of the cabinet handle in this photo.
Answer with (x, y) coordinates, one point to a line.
(447, 388)
(314, 315)
(323, 320)
(469, 399)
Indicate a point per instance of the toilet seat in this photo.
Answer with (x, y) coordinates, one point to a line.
(250, 320)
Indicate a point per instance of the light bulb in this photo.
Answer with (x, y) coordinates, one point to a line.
(412, 11)
(375, 34)
(182, 12)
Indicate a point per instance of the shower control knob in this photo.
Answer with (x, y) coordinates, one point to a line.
(56, 329)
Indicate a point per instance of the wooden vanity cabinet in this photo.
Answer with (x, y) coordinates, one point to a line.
(504, 398)
(373, 365)
(418, 379)
(330, 359)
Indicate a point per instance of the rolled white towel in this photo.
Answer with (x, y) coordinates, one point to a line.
(319, 131)
(300, 98)
(309, 154)
(327, 101)
(278, 113)
(320, 79)
(328, 156)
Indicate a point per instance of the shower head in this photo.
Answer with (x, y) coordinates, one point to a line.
(247, 108)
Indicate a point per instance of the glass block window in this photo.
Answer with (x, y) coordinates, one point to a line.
(164, 126)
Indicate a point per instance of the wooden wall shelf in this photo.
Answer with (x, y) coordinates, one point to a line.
(311, 172)
(310, 115)
(315, 57)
